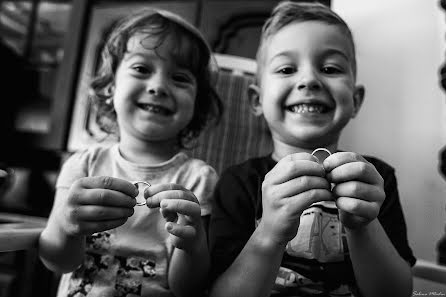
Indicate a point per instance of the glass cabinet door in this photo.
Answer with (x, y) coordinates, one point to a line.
(32, 45)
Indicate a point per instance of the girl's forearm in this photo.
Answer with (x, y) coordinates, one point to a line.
(253, 272)
(60, 252)
(378, 268)
(189, 272)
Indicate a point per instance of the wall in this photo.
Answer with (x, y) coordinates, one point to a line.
(400, 47)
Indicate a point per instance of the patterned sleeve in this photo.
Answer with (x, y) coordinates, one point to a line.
(203, 187)
(73, 168)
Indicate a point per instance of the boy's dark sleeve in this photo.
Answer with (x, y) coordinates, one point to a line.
(391, 215)
(232, 220)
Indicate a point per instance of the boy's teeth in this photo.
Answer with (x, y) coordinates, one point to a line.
(303, 108)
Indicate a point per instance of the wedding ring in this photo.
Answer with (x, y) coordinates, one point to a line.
(136, 183)
(318, 150)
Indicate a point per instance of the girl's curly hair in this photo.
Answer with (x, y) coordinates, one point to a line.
(190, 51)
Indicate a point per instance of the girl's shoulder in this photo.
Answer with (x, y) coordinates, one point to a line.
(91, 154)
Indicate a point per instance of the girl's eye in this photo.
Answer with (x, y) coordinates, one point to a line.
(286, 70)
(181, 78)
(141, 69)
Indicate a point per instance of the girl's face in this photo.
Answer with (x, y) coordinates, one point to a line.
(154, 97)
(307, 89)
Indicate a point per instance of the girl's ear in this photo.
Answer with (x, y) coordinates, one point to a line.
(358, 98)
(254, 99)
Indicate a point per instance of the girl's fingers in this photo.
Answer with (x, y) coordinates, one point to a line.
(183, 207)
(361, 208)
(107, 182)
(105, 197)
(181, 231)
(154, 195)
(100, 213)
(90, 227)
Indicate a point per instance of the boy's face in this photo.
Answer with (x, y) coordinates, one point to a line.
(307, 90)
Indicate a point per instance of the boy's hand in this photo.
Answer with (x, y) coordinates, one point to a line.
(97, 204)
(358, 190)
(296, 182)
(181, 210)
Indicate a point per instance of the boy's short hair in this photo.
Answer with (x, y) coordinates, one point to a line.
(287, 12)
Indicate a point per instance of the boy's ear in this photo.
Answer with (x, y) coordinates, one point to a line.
(358, 98)
(254, 99)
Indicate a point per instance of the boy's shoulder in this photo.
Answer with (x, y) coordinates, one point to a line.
(380, 165)
(253, 166)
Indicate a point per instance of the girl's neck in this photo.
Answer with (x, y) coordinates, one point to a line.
(282, 149)
(147, 153)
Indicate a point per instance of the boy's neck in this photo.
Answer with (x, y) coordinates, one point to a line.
(282, 149)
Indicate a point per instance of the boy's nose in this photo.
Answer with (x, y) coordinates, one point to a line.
(308, 80)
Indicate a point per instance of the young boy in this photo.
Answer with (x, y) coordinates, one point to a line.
(290, 224)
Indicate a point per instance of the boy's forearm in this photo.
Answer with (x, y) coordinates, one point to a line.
(59, 252)
(189, 272)
(378, 268)
(253, 272)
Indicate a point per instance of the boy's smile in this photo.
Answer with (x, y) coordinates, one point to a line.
(307, 90)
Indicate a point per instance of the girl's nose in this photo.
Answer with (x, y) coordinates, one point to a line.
(308, 79)
(156, 85)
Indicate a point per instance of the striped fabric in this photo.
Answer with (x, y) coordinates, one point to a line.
(239, 135)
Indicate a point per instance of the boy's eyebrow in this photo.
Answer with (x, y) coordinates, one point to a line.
(326, 52)
(336, 51)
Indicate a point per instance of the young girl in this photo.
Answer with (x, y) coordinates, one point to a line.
(154, 90)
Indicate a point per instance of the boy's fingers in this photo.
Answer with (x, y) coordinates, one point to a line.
(361, 208)
(359, 190)
(290, 167)
(304, 200)
(300, 185)
(340, 158)
(359, 171)
(107, 182)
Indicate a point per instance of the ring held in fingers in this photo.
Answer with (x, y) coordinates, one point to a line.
(136, 183)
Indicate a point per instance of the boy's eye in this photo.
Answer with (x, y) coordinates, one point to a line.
(286, 70)
(331, 70)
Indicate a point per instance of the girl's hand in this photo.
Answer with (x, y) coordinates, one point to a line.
(359, 188)
(181, 210)
(296, 182)
(97, 204)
